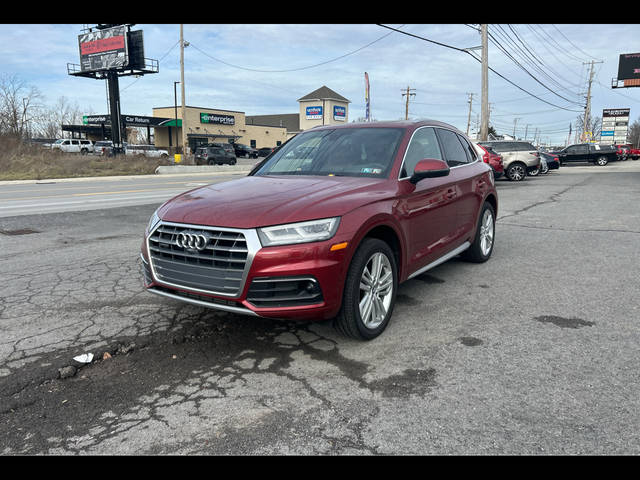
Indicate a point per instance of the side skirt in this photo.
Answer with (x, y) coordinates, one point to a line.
(442, 259)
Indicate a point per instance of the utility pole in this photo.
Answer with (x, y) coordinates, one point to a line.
(587, 109)
(469, 116)
(184, 130)
(526, 130)
(515, 120)
(408, 94)
(484, 125)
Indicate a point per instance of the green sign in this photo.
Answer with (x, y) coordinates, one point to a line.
(217, 119)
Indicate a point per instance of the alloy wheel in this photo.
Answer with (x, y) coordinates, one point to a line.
(516, 172)
(376, 290)
(486, 232)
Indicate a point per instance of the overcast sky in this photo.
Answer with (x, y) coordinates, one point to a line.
(264, 69)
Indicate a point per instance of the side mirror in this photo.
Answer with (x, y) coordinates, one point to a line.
(429, 168)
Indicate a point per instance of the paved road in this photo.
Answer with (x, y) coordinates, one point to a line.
(534, 352)
(67, 195)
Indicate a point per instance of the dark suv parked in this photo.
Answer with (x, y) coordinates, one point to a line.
(211, 155)
(245, 150)
(226, 146)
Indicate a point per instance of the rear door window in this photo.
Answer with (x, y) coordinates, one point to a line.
(454, 152)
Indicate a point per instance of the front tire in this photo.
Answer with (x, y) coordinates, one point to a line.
(369, 292)
(602, 161)
(482, 246)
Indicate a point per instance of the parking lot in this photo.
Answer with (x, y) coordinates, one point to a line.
(536, 351)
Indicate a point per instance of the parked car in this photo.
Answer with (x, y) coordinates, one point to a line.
(211, 155)
(245, 150)
(490, 157)
(228, 147)
(588, 152)
(147, 151)
(265, 151)
(552, 162)
(329, 235)
(634, 153)
(623, 151)
(103, 147)
(71, 145)
(518, 158)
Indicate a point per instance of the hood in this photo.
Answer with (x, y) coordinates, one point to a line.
(259, 201)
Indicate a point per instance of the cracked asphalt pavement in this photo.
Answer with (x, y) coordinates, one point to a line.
(535, 352)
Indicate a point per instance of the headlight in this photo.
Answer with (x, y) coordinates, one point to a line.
(302, 232)
(153, 221)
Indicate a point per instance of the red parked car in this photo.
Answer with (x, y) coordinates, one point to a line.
(328, 226)
(490, 157)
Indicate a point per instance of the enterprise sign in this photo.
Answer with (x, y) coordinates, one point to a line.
(132, 120)
(217, 119)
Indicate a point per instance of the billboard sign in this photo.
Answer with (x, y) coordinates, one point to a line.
(339, 113)
(629, 66)
(313, 113)
(103, 49)
(615, 126)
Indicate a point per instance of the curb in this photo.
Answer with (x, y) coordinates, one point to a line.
(245, 170)
(212, 169)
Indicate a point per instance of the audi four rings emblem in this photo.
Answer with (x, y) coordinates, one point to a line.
(191, 240)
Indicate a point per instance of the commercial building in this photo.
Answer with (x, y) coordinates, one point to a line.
(210, 125)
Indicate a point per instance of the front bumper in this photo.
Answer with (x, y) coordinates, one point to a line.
(301, 281)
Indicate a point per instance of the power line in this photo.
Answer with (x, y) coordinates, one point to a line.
(503, 49)
(536, 56)
(478, 60)
(572, 44)
(291, 69)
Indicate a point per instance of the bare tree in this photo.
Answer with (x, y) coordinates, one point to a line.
(18, 101)
(634, 134)
(594, 127)
(51, 119)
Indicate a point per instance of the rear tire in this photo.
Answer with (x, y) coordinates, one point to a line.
(516, 172)
(482, 246)
(602, 161)
(369, 291)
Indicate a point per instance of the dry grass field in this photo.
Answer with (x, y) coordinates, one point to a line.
(20, 161)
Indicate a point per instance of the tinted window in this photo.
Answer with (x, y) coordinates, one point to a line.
(524, 147)
(454, 152)
(471, 152)
(359, 152)
(424, 144)
(500, 146)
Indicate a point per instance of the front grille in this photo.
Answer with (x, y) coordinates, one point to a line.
(218, 267)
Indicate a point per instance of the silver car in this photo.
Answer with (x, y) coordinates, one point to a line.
(518, 158)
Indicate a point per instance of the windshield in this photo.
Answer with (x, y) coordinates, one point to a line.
(357, 152)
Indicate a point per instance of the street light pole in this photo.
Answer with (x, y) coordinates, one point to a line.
(175, 106)
(184, 132)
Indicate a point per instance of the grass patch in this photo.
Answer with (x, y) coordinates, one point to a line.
(19, 161)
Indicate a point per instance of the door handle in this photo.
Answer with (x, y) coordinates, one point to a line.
(450, 194)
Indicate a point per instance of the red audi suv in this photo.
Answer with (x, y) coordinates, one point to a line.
(328, 226)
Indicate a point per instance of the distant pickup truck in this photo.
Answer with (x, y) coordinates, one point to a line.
(588, 152)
